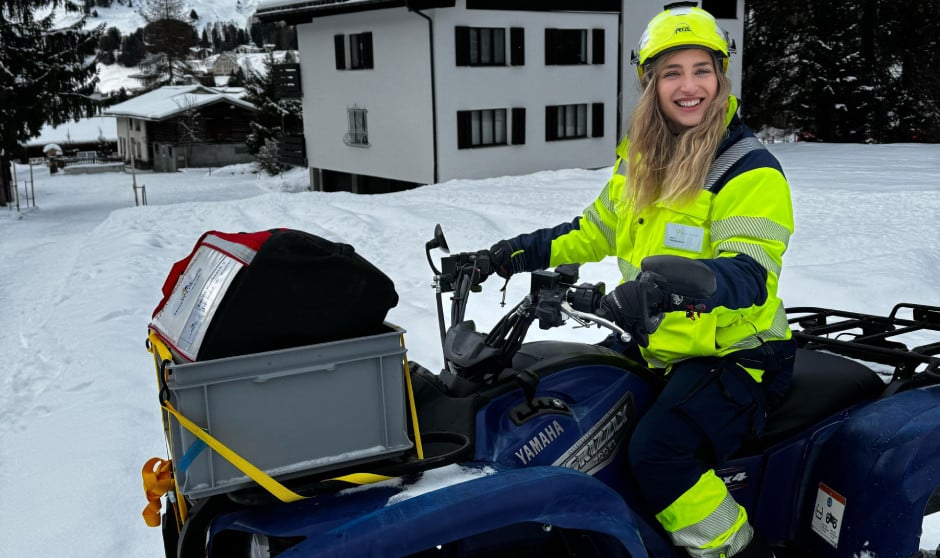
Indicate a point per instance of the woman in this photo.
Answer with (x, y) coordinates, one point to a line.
(691, 180)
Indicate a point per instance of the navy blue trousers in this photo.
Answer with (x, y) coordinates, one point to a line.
(707, 410)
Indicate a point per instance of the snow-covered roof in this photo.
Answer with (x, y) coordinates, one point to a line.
(86, 130)
(171, 100)
(265, 5)
(272, 10)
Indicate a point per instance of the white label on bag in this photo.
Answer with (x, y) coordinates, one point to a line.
(188, 310)
(684, 237)
(827, 514)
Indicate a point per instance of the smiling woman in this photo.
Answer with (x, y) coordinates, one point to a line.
(690, 180)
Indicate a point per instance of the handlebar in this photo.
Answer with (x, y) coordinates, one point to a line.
(554, 296)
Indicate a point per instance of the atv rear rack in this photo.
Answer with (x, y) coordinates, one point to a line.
(873, 338)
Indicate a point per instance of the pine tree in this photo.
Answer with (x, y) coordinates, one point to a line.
(168, 36)
(862, 70)
(132, 49)
(48, 74)
(268, 125)
(910, 35)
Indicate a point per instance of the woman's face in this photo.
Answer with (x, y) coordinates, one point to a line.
(686, 87)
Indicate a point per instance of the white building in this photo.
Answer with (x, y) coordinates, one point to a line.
(398, 93)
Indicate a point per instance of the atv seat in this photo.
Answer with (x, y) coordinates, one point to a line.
(823, 384)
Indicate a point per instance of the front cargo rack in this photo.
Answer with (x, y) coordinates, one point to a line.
(874, 338)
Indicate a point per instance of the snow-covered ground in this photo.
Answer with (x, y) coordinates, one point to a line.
(81, 272)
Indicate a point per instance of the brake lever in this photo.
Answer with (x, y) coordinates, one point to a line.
(585, 318)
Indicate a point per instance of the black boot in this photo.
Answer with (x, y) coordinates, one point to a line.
(757, 548)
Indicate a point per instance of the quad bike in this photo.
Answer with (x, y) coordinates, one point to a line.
(523, 445)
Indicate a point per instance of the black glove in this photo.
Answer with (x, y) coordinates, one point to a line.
(638, 306)
(506, 260)
(484, 265)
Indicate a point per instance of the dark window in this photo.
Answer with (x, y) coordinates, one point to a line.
(566, 46)
(339, 46)
(565, 122)
(518, 126)
(479, 128)
(597, 120)
(360, 51)
(721, 9)
(358, 132)
(517, 46)
(480, 46)
(597, 46)
(219, 128)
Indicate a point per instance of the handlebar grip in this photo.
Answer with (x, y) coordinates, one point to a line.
(586, 297)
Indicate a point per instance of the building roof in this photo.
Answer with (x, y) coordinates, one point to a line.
(86, 130)
(294, 12)
(171, 100)
(301, 11)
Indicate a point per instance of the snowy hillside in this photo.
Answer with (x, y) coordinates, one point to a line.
(127, 19)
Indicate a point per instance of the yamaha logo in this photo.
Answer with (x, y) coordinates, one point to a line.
(539, 442)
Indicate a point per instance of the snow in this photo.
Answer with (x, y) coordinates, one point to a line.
(112, 77)
(173, 99)
(81, 273)
(86, 130)
(128, 19)
(436, 479)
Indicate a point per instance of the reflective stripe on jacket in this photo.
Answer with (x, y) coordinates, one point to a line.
(740, 224)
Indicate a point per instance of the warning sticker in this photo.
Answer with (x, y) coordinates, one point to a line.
(186, 315)
(827, 514)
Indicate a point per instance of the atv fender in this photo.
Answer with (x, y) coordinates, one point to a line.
(884, 462)
(382, 522)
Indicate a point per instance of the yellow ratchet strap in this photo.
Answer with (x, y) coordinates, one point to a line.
(162, 354)
(280, 491)
(277, 489)
(157, 477)
(411, 403)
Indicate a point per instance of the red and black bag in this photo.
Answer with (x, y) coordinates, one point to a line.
(241, 293)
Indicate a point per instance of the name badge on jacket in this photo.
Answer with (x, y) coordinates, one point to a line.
(684, 237)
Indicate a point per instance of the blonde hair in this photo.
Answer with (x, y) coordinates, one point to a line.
(663, 165)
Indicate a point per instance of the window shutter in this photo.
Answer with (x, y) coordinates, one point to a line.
(549, 46)
(518, 126)
(721, 9)
(462, 45)
(339, 44)
(551, 123)
(464, 137)
(597, 120)
(597, 49)
(517, 46)
(366, 39)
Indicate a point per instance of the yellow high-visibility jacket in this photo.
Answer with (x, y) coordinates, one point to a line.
(740, 225)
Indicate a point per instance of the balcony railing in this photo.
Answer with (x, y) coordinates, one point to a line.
(287, 81)
(292, 150)
(357, 139)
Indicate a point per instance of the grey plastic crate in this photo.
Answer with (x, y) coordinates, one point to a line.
(291, 412)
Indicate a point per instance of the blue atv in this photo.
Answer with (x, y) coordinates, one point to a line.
(523, 445)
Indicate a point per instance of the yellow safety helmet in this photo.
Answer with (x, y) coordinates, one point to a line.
(682, 25)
